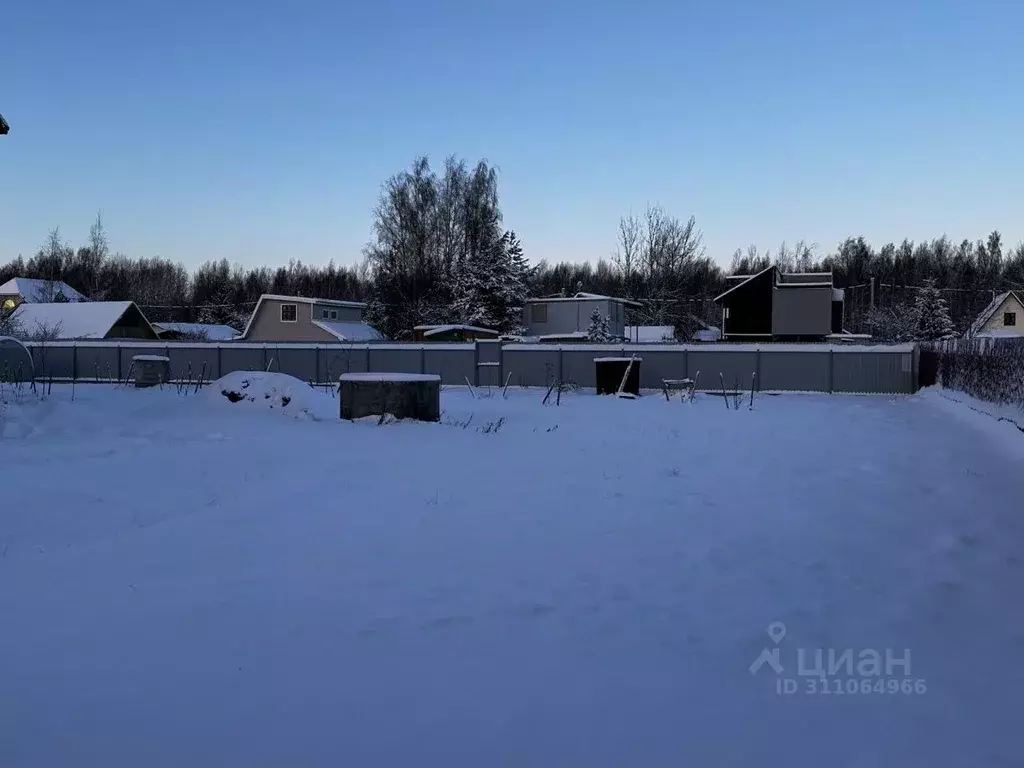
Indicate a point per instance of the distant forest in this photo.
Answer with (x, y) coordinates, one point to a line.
(440, 252)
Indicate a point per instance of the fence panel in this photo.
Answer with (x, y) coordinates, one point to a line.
(453, 363)
(299, 362)
(531, 365)
(793, 371)
(53, 361)
(336, 360)
(660, 361)
(395, 359)
(714, 366)
(873, 372)
(578, 363)
(239, 358)
(188, 363)
(96, 363)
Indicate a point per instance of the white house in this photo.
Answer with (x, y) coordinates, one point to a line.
(1004, 316)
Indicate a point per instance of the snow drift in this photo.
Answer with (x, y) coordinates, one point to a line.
(273, 391)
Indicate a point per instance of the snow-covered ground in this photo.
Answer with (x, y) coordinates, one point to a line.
(189, 581)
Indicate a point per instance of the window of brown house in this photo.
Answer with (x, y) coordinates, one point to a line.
(1009, 318)
(540, 313)
(289, 313)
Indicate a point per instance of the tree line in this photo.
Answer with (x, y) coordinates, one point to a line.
(440, 252)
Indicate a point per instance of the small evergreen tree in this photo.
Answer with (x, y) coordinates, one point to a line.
(931, 314)
(598, 330)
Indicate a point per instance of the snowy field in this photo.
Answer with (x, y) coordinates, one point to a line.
(188, 581)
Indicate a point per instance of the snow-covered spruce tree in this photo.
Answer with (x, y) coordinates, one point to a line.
(491, 286)
(931, 314)
(598, 330)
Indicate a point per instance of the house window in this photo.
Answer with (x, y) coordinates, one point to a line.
(334, 314)
(540, 313)
(324, 314)
(289, 313)
(1009, 318)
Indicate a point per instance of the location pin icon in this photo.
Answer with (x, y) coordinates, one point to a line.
(776, 631)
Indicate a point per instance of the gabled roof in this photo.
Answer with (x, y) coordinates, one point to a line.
(74, 320)
(309, 300)
(740, 285)
(296, 300)
(347, 330)
(39, 291)
(990, 310)
(213, 332)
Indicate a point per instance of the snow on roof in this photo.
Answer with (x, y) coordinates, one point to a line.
(213, 332)
(39, 291)
(349, 330)
(73, 320)
(431, 330)
(583, 296)
(571, 335)
(986, 314)
(650, 333)
(309, 300)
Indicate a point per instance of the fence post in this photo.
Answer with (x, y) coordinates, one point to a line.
(316, 363)
(686, 362)
(831, 370)
(118, 362)
(74, 362)
(423, 359)
(757, 367)
(560, 364)
(264, 366)
(476, 363)
(220, 366)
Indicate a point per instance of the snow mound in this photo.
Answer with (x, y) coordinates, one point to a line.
(275, 392)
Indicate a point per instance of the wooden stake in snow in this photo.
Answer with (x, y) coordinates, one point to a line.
(504, 390)
(753, 379)
(622, 384)
(471, 390)
(693, 389)
(725, 395)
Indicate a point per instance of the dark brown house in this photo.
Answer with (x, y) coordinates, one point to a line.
(778, 306)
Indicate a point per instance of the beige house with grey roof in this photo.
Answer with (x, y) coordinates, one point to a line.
(301, 318)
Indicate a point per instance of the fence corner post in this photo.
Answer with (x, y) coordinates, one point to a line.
(831, 370)
(423, 358)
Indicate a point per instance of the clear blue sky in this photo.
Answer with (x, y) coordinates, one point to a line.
(260, 131)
